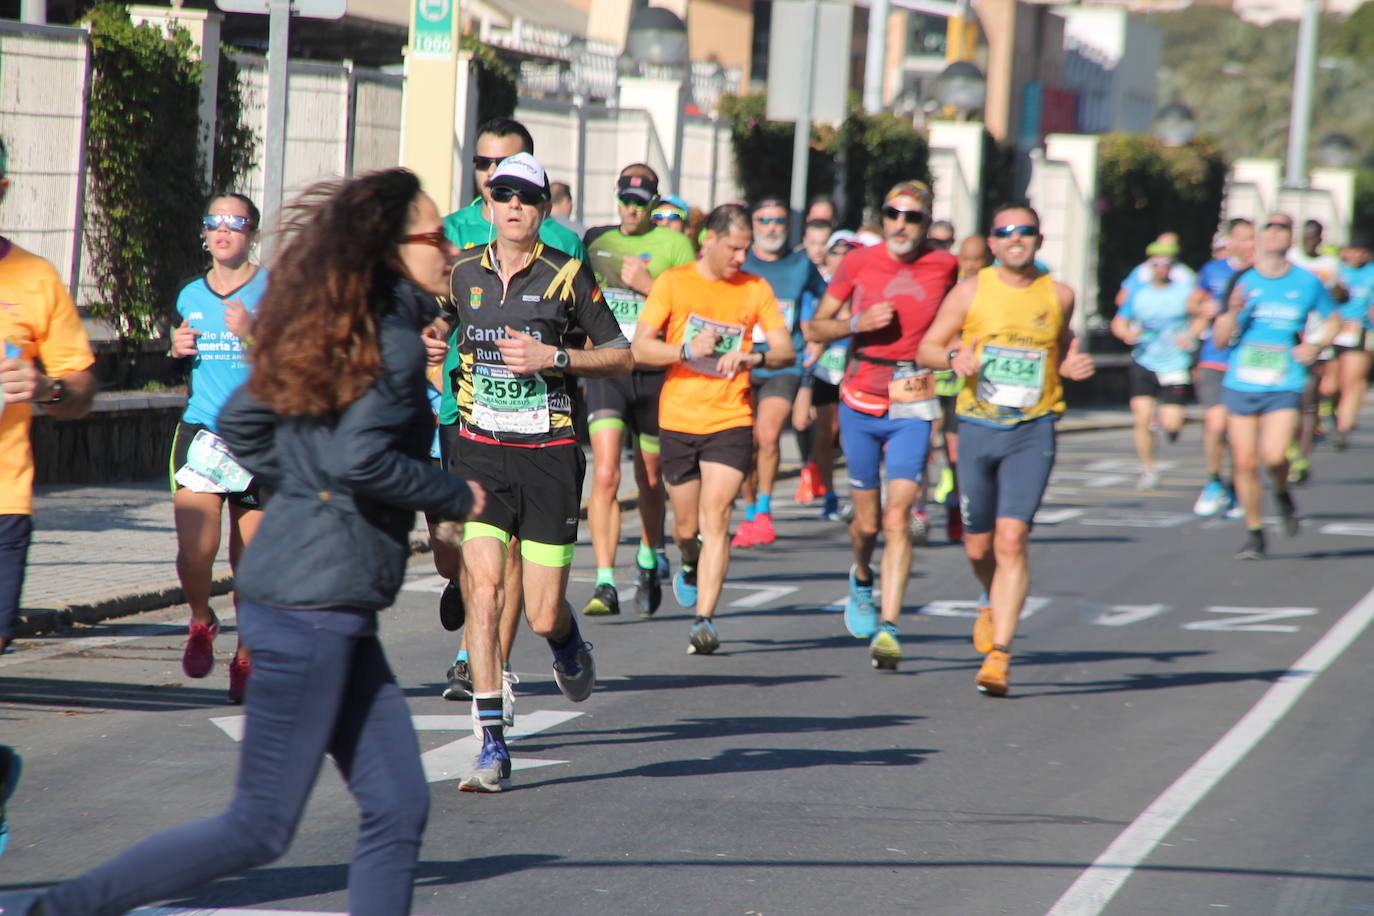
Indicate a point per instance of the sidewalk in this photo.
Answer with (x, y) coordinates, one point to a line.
(110, 550)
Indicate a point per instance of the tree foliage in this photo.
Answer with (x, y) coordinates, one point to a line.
(497, 90)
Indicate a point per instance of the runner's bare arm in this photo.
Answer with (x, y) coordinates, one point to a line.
(1307, 351)
(1075, 364)
(941, 337)
(825, 326)
(650, 350)
(524, 355)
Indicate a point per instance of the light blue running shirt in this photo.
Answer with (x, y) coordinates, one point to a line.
(220, 367)
(1359, 281)
(1270, 325)
(1162, 315)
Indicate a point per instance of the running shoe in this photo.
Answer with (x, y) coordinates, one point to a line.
(1253, 548)
(992, 677)
(954, 523)
(452, 612)
(1340, 441)
(982, 630)
(1299, 471)
(847, 512)
(946, 486)
(1234, 510)
(703, 638)
(1289, 513)
(808, 484)
(744, 535)
(573, 668)
(1148, 480)
(11, 765)
(830, 509)
(508, 681)
(1210, 500)
(649, 595)
(239, 670)
(860, 616)
(492, 772)
(685, 588)
(885, 649)
(605, 601)
(665, 570)
(763, 530)
(1172, 435)
(459, 682)
(920, 528)
(199, 657)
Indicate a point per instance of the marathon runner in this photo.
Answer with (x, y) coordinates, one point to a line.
(1319, 394)
(1355, 343)
(625, 259)
(796, 284)
(887, 404)
(699, 322)
(519, 303)
(1007, 333)
(1267, 316)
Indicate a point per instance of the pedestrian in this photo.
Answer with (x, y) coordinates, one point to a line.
(336, 423)
(215, 330)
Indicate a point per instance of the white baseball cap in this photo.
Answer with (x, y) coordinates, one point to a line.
(521, 172)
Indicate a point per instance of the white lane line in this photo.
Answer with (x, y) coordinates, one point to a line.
(181, 911)
(1096, 886)
(1357, 529)
(764, 595)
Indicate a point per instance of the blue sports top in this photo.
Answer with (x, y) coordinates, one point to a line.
(220, 367)
(1270, 325)
(1162, 315)
(798, 287)
(1360, 283)
(1214, 278)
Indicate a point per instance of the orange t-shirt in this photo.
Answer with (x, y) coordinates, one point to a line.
(694, 401)
(37, 315)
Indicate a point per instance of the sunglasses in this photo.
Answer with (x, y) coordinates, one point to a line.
(503, 195)
(1161, 262)
(1277, 225)
(226, 221)
(627, 201)
(668, 218)
(912, 217)
(482, 163)
(435, 239)
(771, 220)
(1025, 232)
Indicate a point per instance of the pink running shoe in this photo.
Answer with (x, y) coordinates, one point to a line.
(199, 656)
(239, 671)
(763, 530)
(744, 535)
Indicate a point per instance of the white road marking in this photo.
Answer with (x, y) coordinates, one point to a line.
(1055, 516)
(1141, 520)
(1121, 615)
(1252, 619)
(1357, 529)
(764, 594)
(1097, 885)
(970, 608)
(1125, 465)
(180, 911)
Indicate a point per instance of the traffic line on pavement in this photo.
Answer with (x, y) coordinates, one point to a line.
(763, 594)
(1097, 885)
(1357, 529)
(1252, 619)
(201, 911)
(970, 608)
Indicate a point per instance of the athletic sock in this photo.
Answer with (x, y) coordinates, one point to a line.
(605, 575)
(646, 558)
(749, 512)
(561, 644)
(858, 578)
(1214, 478)
(764, 505)
(489, 716)
(462, 656)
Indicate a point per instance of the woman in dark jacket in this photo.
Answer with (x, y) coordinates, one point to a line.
(336, 422)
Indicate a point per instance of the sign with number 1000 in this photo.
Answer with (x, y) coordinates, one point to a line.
(433, 35)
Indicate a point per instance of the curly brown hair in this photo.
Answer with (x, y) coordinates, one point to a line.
(315, 345)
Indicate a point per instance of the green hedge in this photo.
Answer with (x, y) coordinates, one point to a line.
(1364, 201)
(1147, 188)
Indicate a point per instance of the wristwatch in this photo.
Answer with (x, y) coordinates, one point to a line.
(58, 391)
(950, 356)
(560, 358)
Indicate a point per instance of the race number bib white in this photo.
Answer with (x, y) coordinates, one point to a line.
(625, 304)
(1261, 364)
(1173, 379)
(210, 468)
(730, 339)
(504, 402)
(1011, 376)
(789, 311)
(830, 365)
(911, 394)
(1348, 337)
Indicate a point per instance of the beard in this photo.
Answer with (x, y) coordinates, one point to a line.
(771, 245)
(900, 246)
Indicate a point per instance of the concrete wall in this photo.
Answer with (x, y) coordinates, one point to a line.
(1111, 61)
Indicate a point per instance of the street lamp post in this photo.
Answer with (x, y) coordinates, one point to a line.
(963, 87)
(1295, 169)
(1336, 151)
(1175, 124)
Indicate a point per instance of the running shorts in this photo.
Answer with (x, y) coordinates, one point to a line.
(683, 453)
(823, 394)
(1003, 472)
(1207, 385)
(868, 441)
(783, 385)
(534, 494)
(1257, 403)
(1145, 384)
(251, 498)
(632, 399)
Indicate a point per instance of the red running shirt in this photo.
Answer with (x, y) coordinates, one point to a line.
(870, 275)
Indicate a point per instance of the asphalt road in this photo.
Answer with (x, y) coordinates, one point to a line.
(1192, 723)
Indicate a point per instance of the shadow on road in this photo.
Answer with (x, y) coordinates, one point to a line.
(725, 727)
(32, 691)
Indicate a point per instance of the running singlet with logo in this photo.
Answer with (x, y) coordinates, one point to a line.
(607, 248)
(1327, 267)
(1359, 281)
(220, 366)
(550, 299)
(696, 399)
(1215, 279)
(1018, 353)
(868, 276)
(1271, 323)
(1162, 315)
(798, 286)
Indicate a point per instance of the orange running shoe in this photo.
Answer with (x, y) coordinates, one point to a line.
(808, 486)
(992, 677)
(982, 630)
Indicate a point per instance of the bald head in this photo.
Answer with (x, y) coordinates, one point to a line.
(973, 256)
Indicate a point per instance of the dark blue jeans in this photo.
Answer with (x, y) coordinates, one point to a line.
(15, 533)
(320, 685)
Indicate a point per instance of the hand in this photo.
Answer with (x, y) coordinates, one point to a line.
(813, 353)
(237, 319)
(738, 361)
(1211, 308)
(479, 500)
(1238, 297)
(803, 415)
(965, 361)
(450, 532)
(523, 354)
(634, 273)
(436, 347)
(1185, 342)
(875, 317)
(704, 344)
(1076, 366)
(1132, 336)
(1306, 353)
(184, 340)
(21, 381)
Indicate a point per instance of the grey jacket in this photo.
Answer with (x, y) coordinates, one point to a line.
(345, 488)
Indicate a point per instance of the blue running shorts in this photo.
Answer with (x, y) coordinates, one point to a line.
(868, 440)
(1003, 472)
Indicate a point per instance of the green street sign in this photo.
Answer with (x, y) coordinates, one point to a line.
(433, 36)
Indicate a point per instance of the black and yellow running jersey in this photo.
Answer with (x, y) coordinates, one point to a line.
(554, 299)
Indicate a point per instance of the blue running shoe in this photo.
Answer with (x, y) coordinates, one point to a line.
(703, 640)
(885, 650)
(11, 765)
(1234, 509)
(492, 773)
(860, 616)
(830, 510)
(1210, 500)
(685, 588)
(665, 570)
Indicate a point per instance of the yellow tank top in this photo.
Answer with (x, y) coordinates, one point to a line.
(1018, 347)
